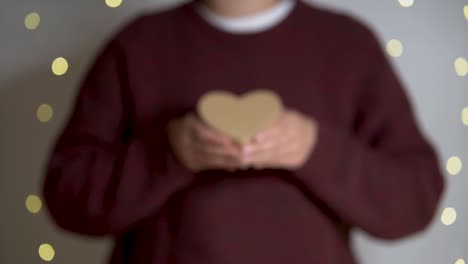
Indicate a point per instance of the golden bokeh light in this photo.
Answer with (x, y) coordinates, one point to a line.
(449, 216)
(33, 204)
(406, 3)
(45, 113)
(46, 252)
(59, 66)
(465, 116)
(461, 66)
(454, 165)
(395, 48)
(465, 10)
(32, 21)
(460, 261)
(113, 3)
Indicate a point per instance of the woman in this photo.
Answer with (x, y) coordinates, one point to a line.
(135, 162)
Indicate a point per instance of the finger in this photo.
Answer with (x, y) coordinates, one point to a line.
(215, 148)
(209, 149)
(292, 156)
(268, 140)
(259, 155)
(272, 160)
(267, 134)
(259, 161)
(287, 160)
(208, 135)
(270, 152)
(220, 162)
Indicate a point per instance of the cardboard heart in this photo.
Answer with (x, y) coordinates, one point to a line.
(240, 117)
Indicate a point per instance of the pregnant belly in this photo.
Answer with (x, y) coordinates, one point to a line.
(254, 219)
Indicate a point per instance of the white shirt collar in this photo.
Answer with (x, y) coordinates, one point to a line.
(251, 23)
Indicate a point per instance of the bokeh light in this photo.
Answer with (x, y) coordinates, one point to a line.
(32, 21)
(460, 261)
(465, 11)
(46, 252)
(60, 66)
(454, 165)
(465, 116)
(113, 3)
(33, 204)
(45, 113)
(461, 66)
(395, 48)
(449, 216)
(406, 3)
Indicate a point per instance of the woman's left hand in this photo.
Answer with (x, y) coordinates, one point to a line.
(285, 145)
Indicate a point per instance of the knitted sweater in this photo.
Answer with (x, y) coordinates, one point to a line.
(113, 173)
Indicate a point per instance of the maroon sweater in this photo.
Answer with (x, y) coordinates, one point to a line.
(113, 173)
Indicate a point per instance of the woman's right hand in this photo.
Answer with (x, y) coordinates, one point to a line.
(199, 147)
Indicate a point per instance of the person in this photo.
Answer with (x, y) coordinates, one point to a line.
(135, 162)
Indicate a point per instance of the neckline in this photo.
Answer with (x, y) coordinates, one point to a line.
(252, 23)
(212, 31)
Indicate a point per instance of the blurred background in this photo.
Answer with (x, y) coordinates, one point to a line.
(46, 47)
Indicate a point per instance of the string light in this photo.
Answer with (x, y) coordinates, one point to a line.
(406, 3)
(461, 66)
(46, 252)
(454, 165)
(60, 66)
(449, 216)
(33, 204)
(395, 48)
(465, 11)
(44, 113)
(113, 3)
(465, 116)
(32, 21)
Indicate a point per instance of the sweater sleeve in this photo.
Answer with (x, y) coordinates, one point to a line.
(102, 176)
(383, 176)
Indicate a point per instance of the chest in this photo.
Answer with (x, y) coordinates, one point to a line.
(311, 82)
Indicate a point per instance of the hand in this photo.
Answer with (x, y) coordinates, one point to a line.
(285, 145)
(199, 147)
